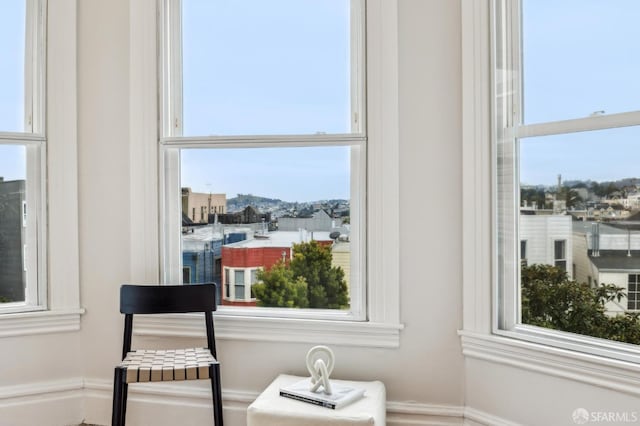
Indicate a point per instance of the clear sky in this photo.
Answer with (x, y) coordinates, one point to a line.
(282, 67)
(12, 27)
(580, 56)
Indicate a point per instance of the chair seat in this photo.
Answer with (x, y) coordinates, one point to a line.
(146, 365)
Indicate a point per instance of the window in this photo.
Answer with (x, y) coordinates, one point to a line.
(22, 156)
(567, 128)
(559, 256)
(633, 292)
(278, 131)
(376, 297)
(523, 252)
(238, 284)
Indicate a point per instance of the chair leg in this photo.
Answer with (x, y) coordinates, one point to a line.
(117, 417)
(216, 391)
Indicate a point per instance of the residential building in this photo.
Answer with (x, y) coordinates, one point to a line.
(197, 206)
(609, 254)
(241, 261)
(547, 239)
(12, 234)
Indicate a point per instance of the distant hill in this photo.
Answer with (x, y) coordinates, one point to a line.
(241, 201)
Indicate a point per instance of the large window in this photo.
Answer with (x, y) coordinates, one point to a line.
(567, 116)
(22, 150)
(264, 143)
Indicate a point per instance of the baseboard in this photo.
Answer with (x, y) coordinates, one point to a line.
(161, 404)
(51, 403)
(482, 418)
(74, 401)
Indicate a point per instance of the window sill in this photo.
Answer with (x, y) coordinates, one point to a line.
(39, 322)
(269, 329)
(621, 376)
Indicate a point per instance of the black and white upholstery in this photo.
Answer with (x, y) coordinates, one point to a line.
(145, 365)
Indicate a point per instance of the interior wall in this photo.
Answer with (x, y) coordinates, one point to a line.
(427, 367)
(533, 398)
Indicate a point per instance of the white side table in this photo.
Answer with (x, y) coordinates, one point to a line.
(271, 409)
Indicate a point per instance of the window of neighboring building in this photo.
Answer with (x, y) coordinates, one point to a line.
(22, 156)
(633, 292)
(264, 101)
(238, 284)
(567, 129)
(559, 254)
(523, 252)
(186, 275)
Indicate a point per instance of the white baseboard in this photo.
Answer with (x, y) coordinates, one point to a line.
(52, 403)
(73, 401)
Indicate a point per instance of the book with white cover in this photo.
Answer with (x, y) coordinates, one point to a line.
(340, 396)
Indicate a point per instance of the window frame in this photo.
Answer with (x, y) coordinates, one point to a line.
(58, 309)
(488, 121)
(382, 326)
(480, 337)
(171, 142)
(33, 139)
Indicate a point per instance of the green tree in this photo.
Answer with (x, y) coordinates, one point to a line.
(551, 300)
(570, 196)
(280, 289)
(327, 287)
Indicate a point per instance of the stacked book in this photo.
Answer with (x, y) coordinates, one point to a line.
(340, 396)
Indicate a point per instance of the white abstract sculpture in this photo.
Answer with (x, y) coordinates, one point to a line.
(319, 369)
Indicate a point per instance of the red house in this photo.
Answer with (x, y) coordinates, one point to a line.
(241, 261)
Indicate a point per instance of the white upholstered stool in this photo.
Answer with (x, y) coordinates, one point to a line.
(271, 409)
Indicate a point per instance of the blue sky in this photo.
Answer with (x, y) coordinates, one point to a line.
(12, 158)
(573, 70)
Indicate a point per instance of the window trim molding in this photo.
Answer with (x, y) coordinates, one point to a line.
(528, 348)
(599, 371)
(273, 329)
(383, 291)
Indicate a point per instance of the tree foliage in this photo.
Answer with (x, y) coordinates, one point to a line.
(550, 299)
(279, 288)
(327, 286)
(308, 281)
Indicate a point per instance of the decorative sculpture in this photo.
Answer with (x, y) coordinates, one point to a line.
(319, 369)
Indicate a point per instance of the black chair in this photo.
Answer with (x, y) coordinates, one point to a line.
(164, 365)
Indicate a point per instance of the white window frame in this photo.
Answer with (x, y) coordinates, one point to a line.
(171, 141)
(33, 139)
(51, 157)
(548, 352)
(247, 283)
(382, 326)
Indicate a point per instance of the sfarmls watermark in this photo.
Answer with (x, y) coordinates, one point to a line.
(581, 416)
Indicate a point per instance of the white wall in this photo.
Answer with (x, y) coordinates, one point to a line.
(427, 368)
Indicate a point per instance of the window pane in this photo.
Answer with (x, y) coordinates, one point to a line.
(275, 199)
(605, 162)
(580, 58)
(579, 200)
(559, 249)
(12, 61)
(12, 223)
(258, 67)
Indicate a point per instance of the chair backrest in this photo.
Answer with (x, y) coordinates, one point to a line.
(167, 299)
